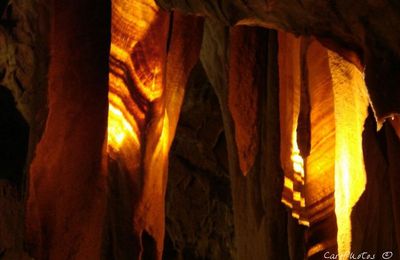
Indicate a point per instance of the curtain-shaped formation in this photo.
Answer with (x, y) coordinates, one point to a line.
(136, 85)
(289, 60)
(152, 54)
(351, 103)
(323, 106)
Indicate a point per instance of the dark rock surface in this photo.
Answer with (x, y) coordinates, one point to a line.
(199, 222)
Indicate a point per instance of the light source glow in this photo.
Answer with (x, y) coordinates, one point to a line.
(298, 174)
(121, 124)
(130, 62)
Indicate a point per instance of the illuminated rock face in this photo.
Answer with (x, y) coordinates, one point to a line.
(334, 176)
(351, 104)
(138, 121)
(121, 124)
(148, 74)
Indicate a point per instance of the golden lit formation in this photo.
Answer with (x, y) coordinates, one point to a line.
(133, 69)
(138, 123)
(296, 185)
(93, 93)
(291, 160)
(332, 177)
(120, 124)
(329, 181)
(298, 169)
(351, 103)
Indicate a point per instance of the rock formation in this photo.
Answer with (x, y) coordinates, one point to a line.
(278, 122)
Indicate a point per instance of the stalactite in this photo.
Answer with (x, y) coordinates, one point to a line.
(150, 62)
(338, 100)
(361, 29)
(320, 162)
(243, 94)
(303, 64)
(351, 103)
(289, 106)
(260, 219)
(138, 121)
(183, 54)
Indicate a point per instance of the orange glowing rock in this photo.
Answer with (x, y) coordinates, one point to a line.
(136, 56)
(138, 126)
(289, 60)
(289, 104)
(351, 103)
(120, 125)
(331, 179)
(146, 87)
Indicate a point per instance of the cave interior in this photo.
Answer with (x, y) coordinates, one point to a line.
(199, 129)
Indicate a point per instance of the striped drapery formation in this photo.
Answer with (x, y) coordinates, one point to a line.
(152, 53)
(138, 122)
(323, 106)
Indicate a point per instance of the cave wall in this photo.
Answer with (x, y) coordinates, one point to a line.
(377, 232)
(23, 70)
(199, 217)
